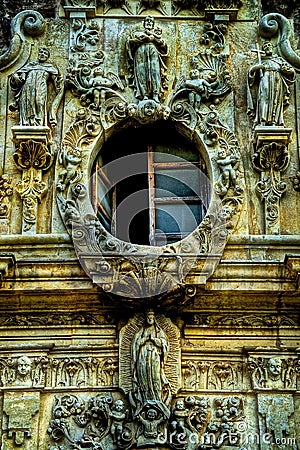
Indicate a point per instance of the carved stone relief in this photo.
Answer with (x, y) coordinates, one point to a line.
(20, 424)
(105, 422)
(65, 371)
(273, 372)
(105, 104)
(6, 190)
(213, 375)
(273, 76)
(147, 51)
(32, 157)
(31, 86)
(276, 421)
(272, 97)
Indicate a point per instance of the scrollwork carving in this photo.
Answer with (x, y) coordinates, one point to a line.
(198, 6)
(270, 160)
(214, 32)
(102, 422)
(225, 375)
(27, 22)
(6, 190)
(87, 80)
(246, 320)
(274, 24)
(84, 35)
(32, 157)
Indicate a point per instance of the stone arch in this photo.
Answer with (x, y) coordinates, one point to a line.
(113, 265)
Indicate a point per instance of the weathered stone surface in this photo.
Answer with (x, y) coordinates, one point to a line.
(171, 338)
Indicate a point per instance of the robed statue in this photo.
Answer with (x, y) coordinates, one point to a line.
(147, 51)
(31, 84)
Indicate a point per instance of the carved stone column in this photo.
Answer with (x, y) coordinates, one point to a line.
(270, 159)
(32, 157)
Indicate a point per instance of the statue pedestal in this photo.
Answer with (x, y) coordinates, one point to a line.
(22, 133)
(266, 135)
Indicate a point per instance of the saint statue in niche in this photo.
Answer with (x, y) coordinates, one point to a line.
(149, 352)
(273, 75)
(31, 84)
(146, 50)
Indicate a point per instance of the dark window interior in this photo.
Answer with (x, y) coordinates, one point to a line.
(159, 194)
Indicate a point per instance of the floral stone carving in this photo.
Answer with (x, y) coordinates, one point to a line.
(271, 158)
(32, 157)
(6, 190)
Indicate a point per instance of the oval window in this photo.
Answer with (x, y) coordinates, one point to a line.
(150, 185)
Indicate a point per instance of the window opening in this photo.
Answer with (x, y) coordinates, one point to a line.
(163, 198)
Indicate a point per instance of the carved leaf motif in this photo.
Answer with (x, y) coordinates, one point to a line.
(32, 154)
(272, 156)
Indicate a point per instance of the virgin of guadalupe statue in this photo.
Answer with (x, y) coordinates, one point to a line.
(273, 75)
(149, 353)
(146, 51)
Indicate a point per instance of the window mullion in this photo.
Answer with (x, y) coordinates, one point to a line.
(151, 182)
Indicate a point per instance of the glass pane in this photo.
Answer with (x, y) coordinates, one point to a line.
(176, 183)
(103, 196)
(176, 218)
(169, 153)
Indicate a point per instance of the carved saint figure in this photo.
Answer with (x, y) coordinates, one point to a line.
(149, 353)
(273, 76)
(146, 50)
(31, 84)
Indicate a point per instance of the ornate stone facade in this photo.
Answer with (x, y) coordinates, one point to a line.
(173, 123)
